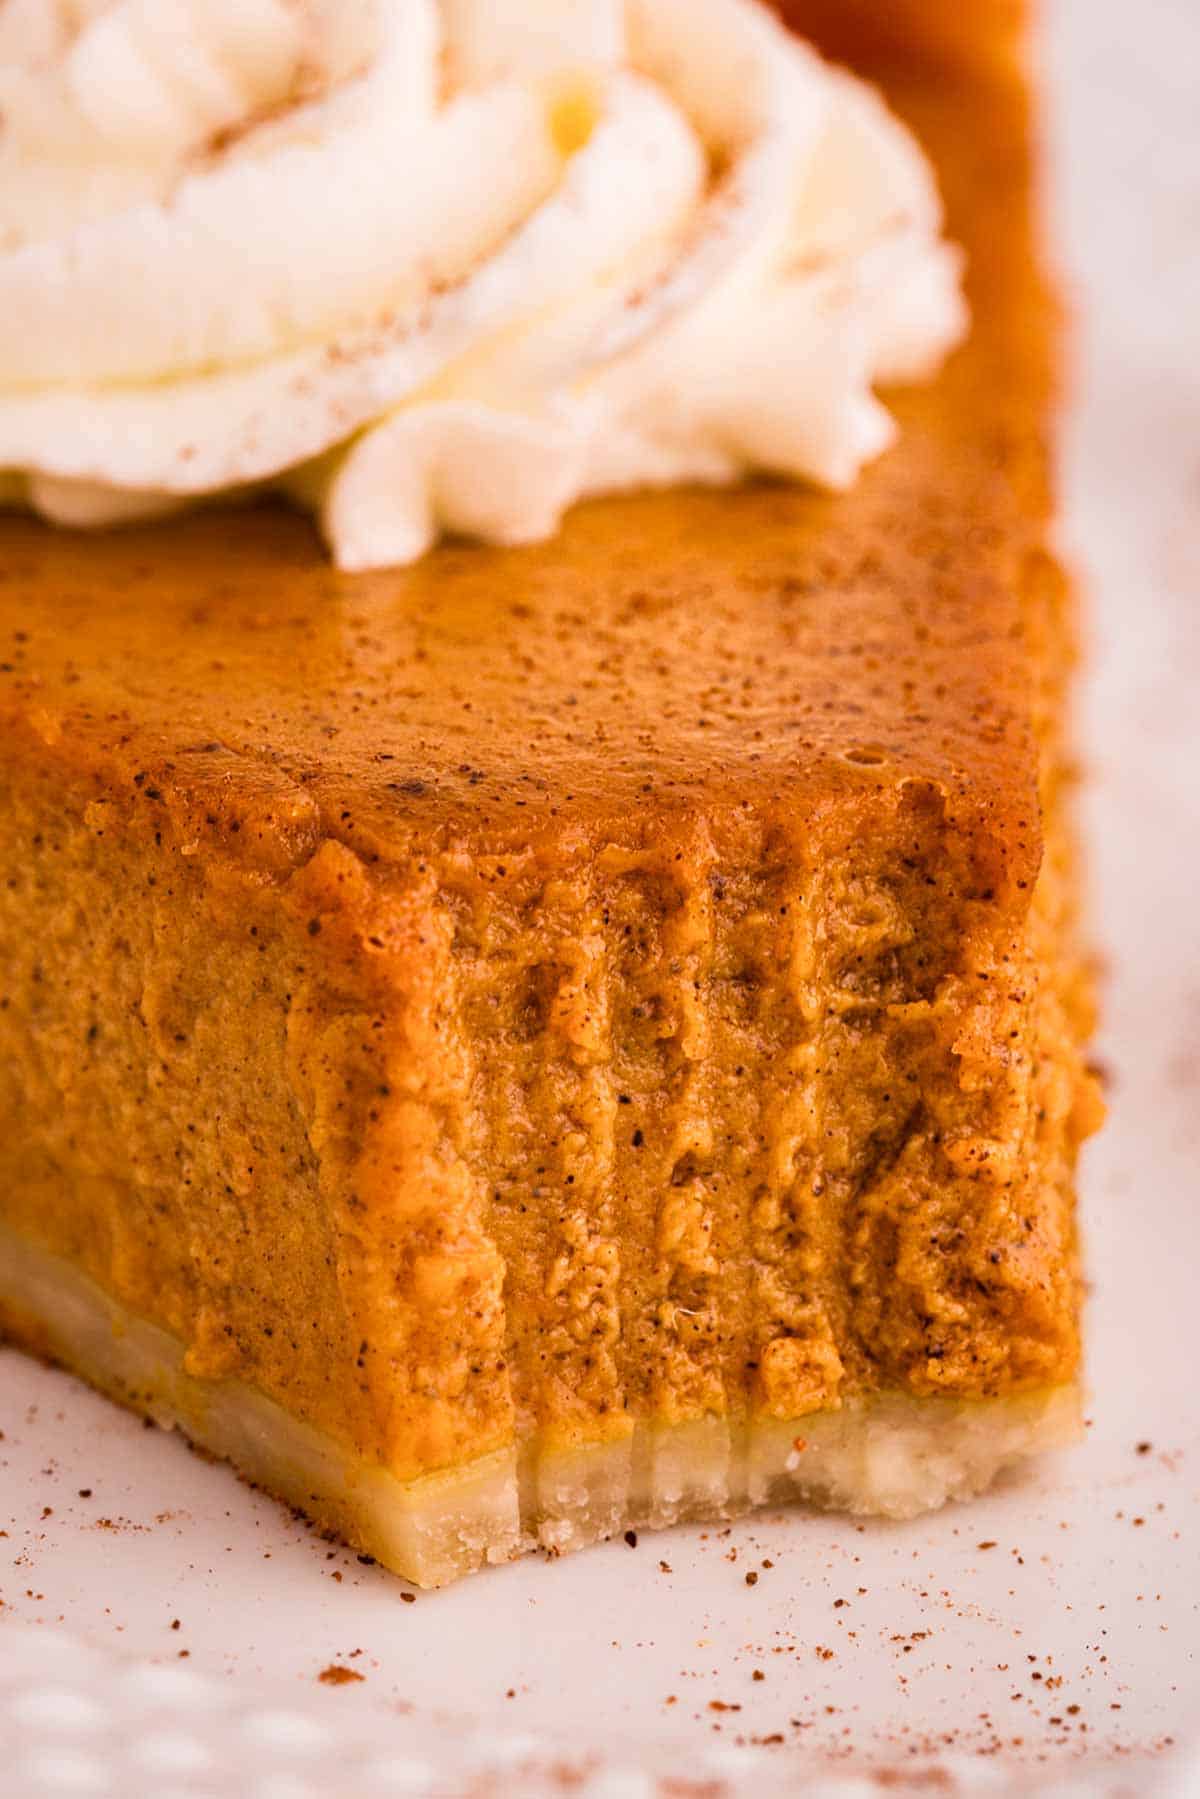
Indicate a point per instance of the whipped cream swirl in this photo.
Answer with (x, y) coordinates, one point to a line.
(445, 265)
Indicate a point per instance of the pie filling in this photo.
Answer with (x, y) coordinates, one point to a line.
(892, 1455)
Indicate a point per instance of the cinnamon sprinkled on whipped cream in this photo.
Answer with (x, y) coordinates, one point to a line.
(441, 266)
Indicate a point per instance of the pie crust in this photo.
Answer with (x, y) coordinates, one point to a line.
(891, 1456)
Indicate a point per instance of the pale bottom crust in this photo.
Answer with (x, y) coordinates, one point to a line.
(891, 1456)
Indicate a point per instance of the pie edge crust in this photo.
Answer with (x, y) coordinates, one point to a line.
(891, 1455)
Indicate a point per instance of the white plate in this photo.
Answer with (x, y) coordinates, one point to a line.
(163, 1628)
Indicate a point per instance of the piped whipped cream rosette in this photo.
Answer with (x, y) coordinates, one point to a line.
(438, 266)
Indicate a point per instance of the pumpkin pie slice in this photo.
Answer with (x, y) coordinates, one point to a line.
(555, 1040)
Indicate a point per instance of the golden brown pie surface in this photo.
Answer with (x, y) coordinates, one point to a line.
(504, 1004)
